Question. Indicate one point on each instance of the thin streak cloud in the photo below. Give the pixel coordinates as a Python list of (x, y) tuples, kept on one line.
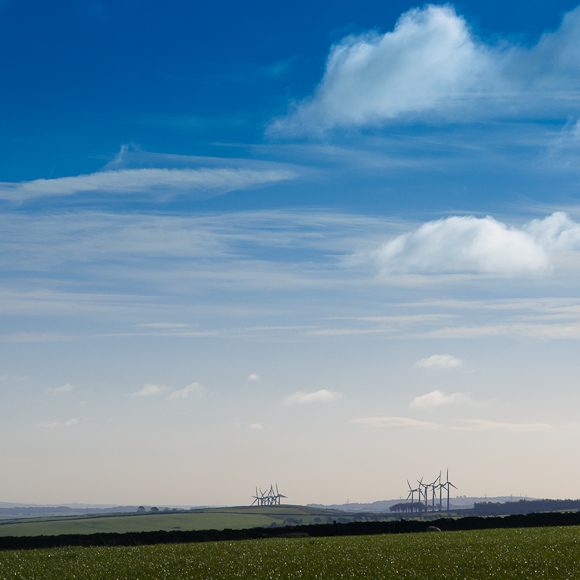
[(59, 425), (195, 183), (466, 425)]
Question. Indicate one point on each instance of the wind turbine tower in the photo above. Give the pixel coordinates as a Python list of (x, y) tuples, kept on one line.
[(448, 485)]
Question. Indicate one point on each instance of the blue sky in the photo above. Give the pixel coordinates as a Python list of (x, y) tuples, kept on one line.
[(334, 246)]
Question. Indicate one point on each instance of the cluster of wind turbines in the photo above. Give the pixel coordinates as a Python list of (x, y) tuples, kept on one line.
[(268, 497), (424, 489)]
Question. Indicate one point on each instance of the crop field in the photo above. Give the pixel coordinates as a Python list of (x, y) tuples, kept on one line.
[(532, 553), (203, 519)]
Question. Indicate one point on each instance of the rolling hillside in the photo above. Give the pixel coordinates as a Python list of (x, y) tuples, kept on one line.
[(201, 519)]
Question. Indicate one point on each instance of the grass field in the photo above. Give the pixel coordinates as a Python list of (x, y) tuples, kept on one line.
[(217, 519), (532, 553)]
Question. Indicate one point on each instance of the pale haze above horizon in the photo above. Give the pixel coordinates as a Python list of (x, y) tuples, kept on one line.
[(328, 246)]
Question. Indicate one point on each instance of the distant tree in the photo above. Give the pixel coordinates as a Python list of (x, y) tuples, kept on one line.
[(407, 507), (141, 508), (154, 509)]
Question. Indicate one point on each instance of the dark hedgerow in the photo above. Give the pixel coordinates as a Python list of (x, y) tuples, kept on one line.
[(313, 530)]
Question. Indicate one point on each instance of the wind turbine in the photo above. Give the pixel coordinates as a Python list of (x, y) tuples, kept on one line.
[(411, 492), (279, 496), (423, 493), (448, 485), (433, 487), (256, 498), (412, 495)]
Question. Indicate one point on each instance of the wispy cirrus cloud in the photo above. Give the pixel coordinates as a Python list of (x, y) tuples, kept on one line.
[(58, 425), (463, 425), (322, 396), (15, 378), (433, 64), (158, 182), (66, 388), (396, 422), (540, 329), (484, 425), (163, 325)]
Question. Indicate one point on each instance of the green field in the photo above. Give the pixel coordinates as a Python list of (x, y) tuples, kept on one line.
[(205, 519), (532, 553)]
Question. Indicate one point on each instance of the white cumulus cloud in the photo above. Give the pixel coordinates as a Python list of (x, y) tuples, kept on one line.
[(433, 63), (555, 233), (255, 426), (479, 245), (439, 399), (254, 377), (195, 389), (149, 391), (439, 361), (322, 396), (429, 56)]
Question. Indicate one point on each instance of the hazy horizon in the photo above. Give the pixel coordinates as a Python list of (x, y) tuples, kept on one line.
[(332, 247)]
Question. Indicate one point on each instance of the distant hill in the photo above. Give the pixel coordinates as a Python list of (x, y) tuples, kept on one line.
[(383, 506), (185, 520), (15, 510)]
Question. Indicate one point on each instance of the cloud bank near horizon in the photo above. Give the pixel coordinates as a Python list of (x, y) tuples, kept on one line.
[(432, 63)]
